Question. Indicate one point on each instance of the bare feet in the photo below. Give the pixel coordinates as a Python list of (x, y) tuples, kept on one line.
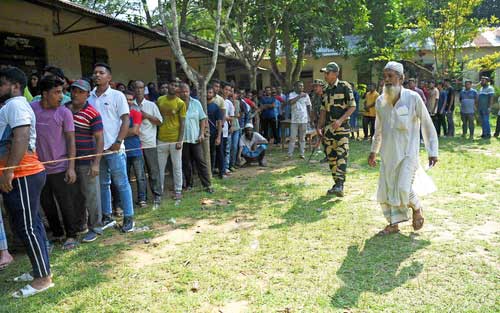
[(5, 259), (389, 229), (417, 219), (41, 283)]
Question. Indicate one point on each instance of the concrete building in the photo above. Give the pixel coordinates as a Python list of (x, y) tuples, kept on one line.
[(34, 33), (487, 42)]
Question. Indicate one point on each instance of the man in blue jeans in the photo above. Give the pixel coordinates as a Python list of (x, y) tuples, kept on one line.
[(114, 110), (468, 105), (236, 130), (485, 102), (253, 146), (134, 152)]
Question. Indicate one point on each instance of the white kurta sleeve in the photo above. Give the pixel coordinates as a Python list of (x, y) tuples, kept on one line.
[(428, 130), (377, 136)]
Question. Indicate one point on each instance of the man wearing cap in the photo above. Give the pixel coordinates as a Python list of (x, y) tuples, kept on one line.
[(485, 102), (253, 146), (337, 105), (401, 114), (89, 140), (319, 86)]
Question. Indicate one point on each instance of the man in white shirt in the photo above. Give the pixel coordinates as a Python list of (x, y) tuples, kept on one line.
[(301, 107), (114, 110), (227, 129), (401, 113), (151, 119)]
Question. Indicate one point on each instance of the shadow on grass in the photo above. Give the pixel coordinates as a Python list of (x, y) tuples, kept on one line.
[(85, 267), (307, 212), (376, 268)]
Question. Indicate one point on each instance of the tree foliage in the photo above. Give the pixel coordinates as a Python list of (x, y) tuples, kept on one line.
[(130, 10), (250, 32), (450, 26), (308, 25), (489, 62)]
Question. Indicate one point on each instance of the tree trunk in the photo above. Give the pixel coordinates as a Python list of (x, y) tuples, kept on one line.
[(298, 62), (148, 15), (287, 48), (274, 60), (253, 77), (199, 80), (202, 96), (183, 15)]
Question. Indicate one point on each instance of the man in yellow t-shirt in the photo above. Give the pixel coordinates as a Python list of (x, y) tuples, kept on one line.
[(369, 113), (171, 136)]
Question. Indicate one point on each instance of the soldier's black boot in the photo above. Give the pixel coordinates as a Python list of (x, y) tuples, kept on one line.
[(331, 191), (338, 189)]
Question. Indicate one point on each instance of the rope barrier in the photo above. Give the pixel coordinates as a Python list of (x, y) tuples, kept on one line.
[(107, 152)]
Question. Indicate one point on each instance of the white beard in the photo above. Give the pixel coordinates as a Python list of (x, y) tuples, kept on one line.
[(391, 93)]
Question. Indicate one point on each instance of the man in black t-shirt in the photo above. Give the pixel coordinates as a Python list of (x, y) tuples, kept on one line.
[(450, 108)]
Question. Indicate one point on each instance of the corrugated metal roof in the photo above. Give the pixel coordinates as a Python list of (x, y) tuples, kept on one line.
[(486, 38), (116, 22), (489, 38)]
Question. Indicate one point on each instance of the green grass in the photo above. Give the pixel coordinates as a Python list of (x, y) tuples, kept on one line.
[(281, 243)]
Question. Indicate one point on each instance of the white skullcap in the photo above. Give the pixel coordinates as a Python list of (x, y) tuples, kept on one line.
[(249, 125), (395, 66)]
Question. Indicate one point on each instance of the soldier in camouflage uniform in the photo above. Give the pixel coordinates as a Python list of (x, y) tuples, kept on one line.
[(319, 86), (337, 105)]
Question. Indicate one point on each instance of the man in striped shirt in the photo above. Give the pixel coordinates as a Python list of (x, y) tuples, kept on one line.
[(89, 141)]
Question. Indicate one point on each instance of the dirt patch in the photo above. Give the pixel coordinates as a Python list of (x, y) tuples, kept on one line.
[(444, 236), (438, 211), (484, 255), (484, 152), (231, 307), (445, 233), (246, 173), (139, 258), (493, 176), (235, 307), (489, 231), (474, 196), (176, 236), (154, 252)]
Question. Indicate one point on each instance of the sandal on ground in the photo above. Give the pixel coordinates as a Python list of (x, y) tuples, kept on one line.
[(388, 230), (23, 278), (28, 291), (417, 219), (70, 244)]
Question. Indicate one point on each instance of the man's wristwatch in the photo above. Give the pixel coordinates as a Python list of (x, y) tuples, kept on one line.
[(118, 141)]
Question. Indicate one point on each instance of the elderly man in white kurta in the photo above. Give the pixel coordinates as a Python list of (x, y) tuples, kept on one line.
[(401, 114)]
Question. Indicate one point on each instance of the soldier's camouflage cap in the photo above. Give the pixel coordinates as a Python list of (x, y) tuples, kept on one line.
[(320, 82), (330, 67)]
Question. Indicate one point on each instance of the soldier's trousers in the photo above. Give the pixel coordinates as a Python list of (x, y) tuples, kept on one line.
[(337, 151)]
